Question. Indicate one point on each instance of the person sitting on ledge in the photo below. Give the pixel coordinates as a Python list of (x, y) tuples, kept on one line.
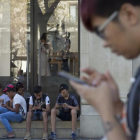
[(39, 108), (4, 99), (20, 90), (15, 114), (69, 112)]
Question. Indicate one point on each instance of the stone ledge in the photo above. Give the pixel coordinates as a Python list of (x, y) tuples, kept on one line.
[(39, 125), (37, 133), (91, 127), (84, 102)]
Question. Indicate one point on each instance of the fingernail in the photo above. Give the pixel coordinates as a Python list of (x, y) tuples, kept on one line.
[(94, 83)]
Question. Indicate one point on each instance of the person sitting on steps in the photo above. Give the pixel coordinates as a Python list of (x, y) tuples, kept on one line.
[(39, 108), (69, 112)]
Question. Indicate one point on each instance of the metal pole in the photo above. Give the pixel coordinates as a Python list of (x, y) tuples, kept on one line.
[(28, 65), (39, 64)]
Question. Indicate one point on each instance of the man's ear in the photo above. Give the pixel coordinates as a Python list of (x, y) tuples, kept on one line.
[(128, 14), (43, 40)]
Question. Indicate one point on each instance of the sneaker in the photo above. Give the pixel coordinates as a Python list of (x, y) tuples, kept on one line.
[(28, 136), (73, 136), (45, 136), (52, 136)]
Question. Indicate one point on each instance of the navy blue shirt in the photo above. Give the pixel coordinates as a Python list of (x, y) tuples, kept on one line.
[(72, 101)]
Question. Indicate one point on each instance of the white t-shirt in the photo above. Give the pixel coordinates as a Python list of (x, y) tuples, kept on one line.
[(47, 100), (5, 97), (18, 99)]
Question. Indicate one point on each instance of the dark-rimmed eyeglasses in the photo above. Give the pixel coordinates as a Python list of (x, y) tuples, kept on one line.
[(99, 30)]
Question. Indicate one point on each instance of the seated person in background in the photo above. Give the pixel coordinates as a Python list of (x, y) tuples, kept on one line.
[(20, 90), (11, 100), (15, 114), (39, 108), (4, 99), (69, 112)]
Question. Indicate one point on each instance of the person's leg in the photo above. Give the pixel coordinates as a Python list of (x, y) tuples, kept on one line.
[(3, 110), (30, 116), (74, 119), (54, 113), (12, 117), (45, 121), (28, 121)]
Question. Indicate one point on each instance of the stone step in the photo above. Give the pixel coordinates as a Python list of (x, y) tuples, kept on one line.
[(39, 124), (37, 133), (63, 129)]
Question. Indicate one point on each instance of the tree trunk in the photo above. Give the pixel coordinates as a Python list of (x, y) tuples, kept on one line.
[(42, 21)]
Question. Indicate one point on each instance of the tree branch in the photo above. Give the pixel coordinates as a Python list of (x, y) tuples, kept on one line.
[(38, 7), (46, 5), (51, 9), (54, 5)]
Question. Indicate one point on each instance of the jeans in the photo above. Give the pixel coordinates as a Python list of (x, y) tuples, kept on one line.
[(9, 116), (3, 110), (37, 115)]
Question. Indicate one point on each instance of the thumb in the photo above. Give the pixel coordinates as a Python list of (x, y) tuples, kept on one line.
[(109, 77)]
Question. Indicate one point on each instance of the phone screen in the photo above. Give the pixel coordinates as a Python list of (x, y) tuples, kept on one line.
[(71, 77), (60, 103)]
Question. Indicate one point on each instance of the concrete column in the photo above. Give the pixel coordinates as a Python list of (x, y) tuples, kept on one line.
[(5, 38)]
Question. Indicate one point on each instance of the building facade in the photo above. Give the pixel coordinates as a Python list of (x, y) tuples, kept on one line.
[(33, 58)]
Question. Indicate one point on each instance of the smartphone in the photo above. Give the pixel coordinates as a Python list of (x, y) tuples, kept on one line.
[(72, 78), (60, 103)]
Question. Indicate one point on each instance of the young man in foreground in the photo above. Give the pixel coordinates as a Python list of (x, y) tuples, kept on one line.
[(117, 22)]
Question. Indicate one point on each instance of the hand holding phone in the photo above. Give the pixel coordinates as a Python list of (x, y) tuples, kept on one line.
[(60, 103), (72, 78)]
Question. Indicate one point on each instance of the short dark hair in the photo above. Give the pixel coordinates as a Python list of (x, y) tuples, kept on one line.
[(62, 87), (43, 36), (19, 85), (37, 89), (103, 8)]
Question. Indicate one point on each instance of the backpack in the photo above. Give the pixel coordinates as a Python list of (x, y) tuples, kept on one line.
[(27, 103), (133, 106)]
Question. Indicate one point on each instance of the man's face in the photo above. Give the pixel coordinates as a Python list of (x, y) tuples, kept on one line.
[(38, 96), (0, 89), (64, 93), (9, 93), (120, 36), (20, 91)]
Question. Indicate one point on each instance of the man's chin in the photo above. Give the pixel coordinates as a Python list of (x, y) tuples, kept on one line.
[(130, 57)]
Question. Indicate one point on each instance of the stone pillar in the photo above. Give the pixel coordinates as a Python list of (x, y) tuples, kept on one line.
[(5, 38)]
